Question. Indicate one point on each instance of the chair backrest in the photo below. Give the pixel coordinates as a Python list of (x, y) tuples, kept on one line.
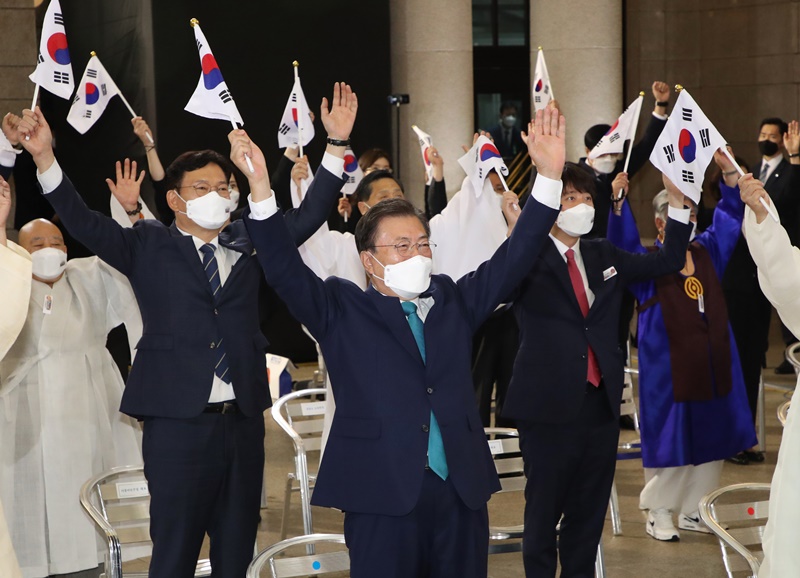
[(783, 411), (504, 447), (300, 415), (737, 515), (118, 501), (303, 564)]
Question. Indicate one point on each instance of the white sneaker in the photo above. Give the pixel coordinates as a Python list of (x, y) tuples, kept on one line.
[(659, 526), (693, 523)]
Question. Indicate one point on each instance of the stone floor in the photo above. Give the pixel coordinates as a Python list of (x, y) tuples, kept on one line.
[(631, 555)]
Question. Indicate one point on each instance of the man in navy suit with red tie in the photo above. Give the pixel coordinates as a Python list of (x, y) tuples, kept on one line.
[(198, 382), (407, 458), (566, 387)]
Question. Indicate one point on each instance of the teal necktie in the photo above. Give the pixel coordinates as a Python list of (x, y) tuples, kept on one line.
[(436, 458)]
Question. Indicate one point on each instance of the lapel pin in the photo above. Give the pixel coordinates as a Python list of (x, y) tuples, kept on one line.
[(609, 273)]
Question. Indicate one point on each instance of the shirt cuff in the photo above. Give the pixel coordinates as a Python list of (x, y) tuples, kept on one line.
[(7, 158), (333, 164), (262, 210), (547, 191), (660, 116), (51, 178), (680, 215)]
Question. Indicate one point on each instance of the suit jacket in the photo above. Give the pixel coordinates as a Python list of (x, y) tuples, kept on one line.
[(783, 186), (549, 379), (174, 366), (375, 457)]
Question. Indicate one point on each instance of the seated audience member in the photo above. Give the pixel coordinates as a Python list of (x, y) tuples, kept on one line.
[(407, 459), (692, 399), (566, 388), (779, 276)]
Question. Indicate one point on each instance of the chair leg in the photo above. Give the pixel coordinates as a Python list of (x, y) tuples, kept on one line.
[(287, 497), (761, 417), (599, 562), (613, 504)]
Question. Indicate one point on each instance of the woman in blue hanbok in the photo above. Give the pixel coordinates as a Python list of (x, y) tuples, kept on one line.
[(693, 405)]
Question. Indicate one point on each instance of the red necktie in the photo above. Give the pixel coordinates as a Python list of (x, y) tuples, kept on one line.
[(593, 371)]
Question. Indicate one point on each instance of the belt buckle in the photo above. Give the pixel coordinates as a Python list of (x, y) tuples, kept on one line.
[(228, 408)]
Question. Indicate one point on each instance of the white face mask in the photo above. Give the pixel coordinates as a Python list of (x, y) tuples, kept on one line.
[(407, 278), (509, 121), (48, 263), (234, 199), (576, 221), (210, 211), (604, 165)]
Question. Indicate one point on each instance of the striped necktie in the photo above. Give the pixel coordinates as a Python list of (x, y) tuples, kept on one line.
[(211, 267), (437, 461)]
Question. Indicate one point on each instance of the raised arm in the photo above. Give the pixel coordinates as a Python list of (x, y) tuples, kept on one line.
[(642, 149), (102, 235), (622, 229)]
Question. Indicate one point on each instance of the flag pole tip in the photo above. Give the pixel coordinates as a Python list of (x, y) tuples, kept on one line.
[(540, 48), (678, 88), (194, 22), (93, 53), (641, 93), (295, 64)]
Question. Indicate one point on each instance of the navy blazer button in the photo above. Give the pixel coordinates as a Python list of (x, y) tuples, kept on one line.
[(430, 390), (425, 428), (583, 357), (212, 345)]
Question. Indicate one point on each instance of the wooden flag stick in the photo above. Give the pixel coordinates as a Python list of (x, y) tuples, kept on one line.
[(769, 208)]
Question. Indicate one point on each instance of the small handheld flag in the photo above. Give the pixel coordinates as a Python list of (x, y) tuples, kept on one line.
[(352, 172), (54, 66), (94, 92), (211, 98), (425, 143), (542, 91), (624, 129), (296, 127), (479, 160)]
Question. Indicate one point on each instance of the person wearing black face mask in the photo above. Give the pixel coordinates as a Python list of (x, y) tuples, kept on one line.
[(749, 310)]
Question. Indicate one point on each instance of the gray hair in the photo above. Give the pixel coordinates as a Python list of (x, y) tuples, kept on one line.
[(660, 203)]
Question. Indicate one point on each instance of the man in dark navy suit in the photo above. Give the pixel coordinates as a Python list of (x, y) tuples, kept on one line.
[(407, 458), (198, 382), (566, 387)]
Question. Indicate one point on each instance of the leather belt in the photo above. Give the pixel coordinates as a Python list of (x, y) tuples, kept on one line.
[(222, 407)]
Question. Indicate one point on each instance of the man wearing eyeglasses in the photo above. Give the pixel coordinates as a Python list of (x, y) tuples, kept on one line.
[(198, 382), (407, 459)]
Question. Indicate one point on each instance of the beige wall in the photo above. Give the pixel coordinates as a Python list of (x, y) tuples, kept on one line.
[(738, 58)]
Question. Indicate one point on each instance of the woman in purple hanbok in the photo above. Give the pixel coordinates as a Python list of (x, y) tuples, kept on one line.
[(693, 405)]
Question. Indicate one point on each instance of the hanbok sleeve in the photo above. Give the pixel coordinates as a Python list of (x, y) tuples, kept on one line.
[(120, 216), (122, 306), (15, 287), (721, 236)]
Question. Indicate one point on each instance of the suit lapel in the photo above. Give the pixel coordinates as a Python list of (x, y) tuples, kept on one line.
[(594, 268), (556, 262), (189, 251), (392, 315)]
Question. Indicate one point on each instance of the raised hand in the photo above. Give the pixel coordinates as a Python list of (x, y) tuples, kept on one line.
[(546, 139), (339, 120), (620, 184), (34, 134), (241, 145), (661, 91), (751, 191), (127, 186), (10, 123), (475, 138), (676, 197), (437, 162), (141, 129), (5, 204), (345, 209), (300, 170), (791, 139), (510, 207)]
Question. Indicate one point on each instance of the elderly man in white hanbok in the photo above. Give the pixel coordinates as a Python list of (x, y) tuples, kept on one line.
[(15, 287), (60, 393), (466, 233), (778, 265)]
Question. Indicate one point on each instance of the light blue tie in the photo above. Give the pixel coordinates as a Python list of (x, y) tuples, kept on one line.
[(436, 458)]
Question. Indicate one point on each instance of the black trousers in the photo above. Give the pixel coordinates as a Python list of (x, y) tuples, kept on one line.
[(494, 348), (439, 538), (205, 476), (570, 469)]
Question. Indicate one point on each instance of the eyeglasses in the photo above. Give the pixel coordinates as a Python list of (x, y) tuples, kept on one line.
[(204, 188), (405, 249)]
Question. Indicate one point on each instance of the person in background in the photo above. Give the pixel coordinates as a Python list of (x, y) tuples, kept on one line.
[(506, 134)]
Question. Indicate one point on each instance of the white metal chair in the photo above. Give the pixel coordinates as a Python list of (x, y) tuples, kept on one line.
[(631, 450), (504, 447), (118, 502), (783, 411), (737, 515), (299, 414), (303, 565), (791, 354)]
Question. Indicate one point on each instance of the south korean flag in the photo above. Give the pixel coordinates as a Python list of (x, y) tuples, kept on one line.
[(686, 146)]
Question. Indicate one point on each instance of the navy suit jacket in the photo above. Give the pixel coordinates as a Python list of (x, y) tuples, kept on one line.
[(376, 453), (549, 378), (174, 366)]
